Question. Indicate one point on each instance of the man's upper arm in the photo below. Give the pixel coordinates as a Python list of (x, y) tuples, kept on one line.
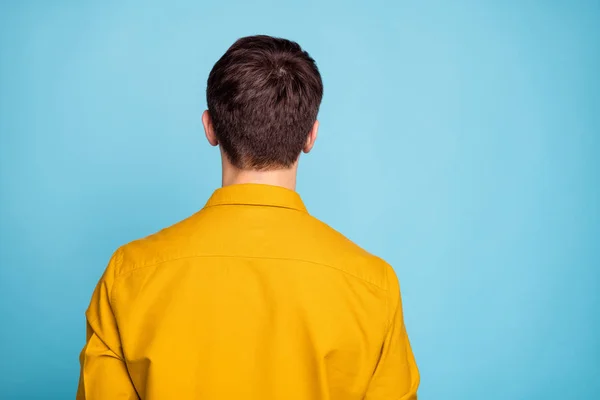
[(103, 371), (396, 376)]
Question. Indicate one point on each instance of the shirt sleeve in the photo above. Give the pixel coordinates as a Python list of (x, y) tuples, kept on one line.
[(103, 370), (396, 376)]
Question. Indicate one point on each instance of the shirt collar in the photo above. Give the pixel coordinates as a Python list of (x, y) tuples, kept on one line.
[(256, 195)]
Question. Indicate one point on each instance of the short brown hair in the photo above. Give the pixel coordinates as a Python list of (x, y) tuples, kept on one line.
[(263, 96)]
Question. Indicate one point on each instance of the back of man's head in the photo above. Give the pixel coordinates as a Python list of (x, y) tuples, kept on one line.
[(263, 97)]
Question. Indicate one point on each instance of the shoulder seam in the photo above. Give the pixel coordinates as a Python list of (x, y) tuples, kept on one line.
[(125, 273)]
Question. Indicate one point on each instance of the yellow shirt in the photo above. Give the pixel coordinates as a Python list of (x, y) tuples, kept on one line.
[(251, 298)]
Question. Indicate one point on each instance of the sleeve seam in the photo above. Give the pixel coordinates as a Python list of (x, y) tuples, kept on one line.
[(388, 318), (118, 258)]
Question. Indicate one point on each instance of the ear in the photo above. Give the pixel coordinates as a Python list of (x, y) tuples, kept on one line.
[(312, 137), (209, 129)]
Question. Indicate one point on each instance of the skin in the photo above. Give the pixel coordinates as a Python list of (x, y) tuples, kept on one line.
[(232, 175)]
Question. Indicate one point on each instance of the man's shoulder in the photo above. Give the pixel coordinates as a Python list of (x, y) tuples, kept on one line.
[(338, 251), (159, 247)]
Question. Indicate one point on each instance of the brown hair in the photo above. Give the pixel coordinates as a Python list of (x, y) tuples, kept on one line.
[(263, 97)]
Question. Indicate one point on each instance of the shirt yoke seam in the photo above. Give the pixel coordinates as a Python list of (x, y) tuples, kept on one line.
[(258, 205), (125, 273)]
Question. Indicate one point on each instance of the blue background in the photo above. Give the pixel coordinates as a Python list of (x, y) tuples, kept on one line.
[(459, 141)]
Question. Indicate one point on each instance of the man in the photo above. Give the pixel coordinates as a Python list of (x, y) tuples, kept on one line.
[(251, 297)]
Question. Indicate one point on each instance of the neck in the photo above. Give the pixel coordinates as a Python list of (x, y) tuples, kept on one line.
[(280, 177)]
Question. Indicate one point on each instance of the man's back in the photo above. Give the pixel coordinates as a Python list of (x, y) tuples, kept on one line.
[(250, 298)]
